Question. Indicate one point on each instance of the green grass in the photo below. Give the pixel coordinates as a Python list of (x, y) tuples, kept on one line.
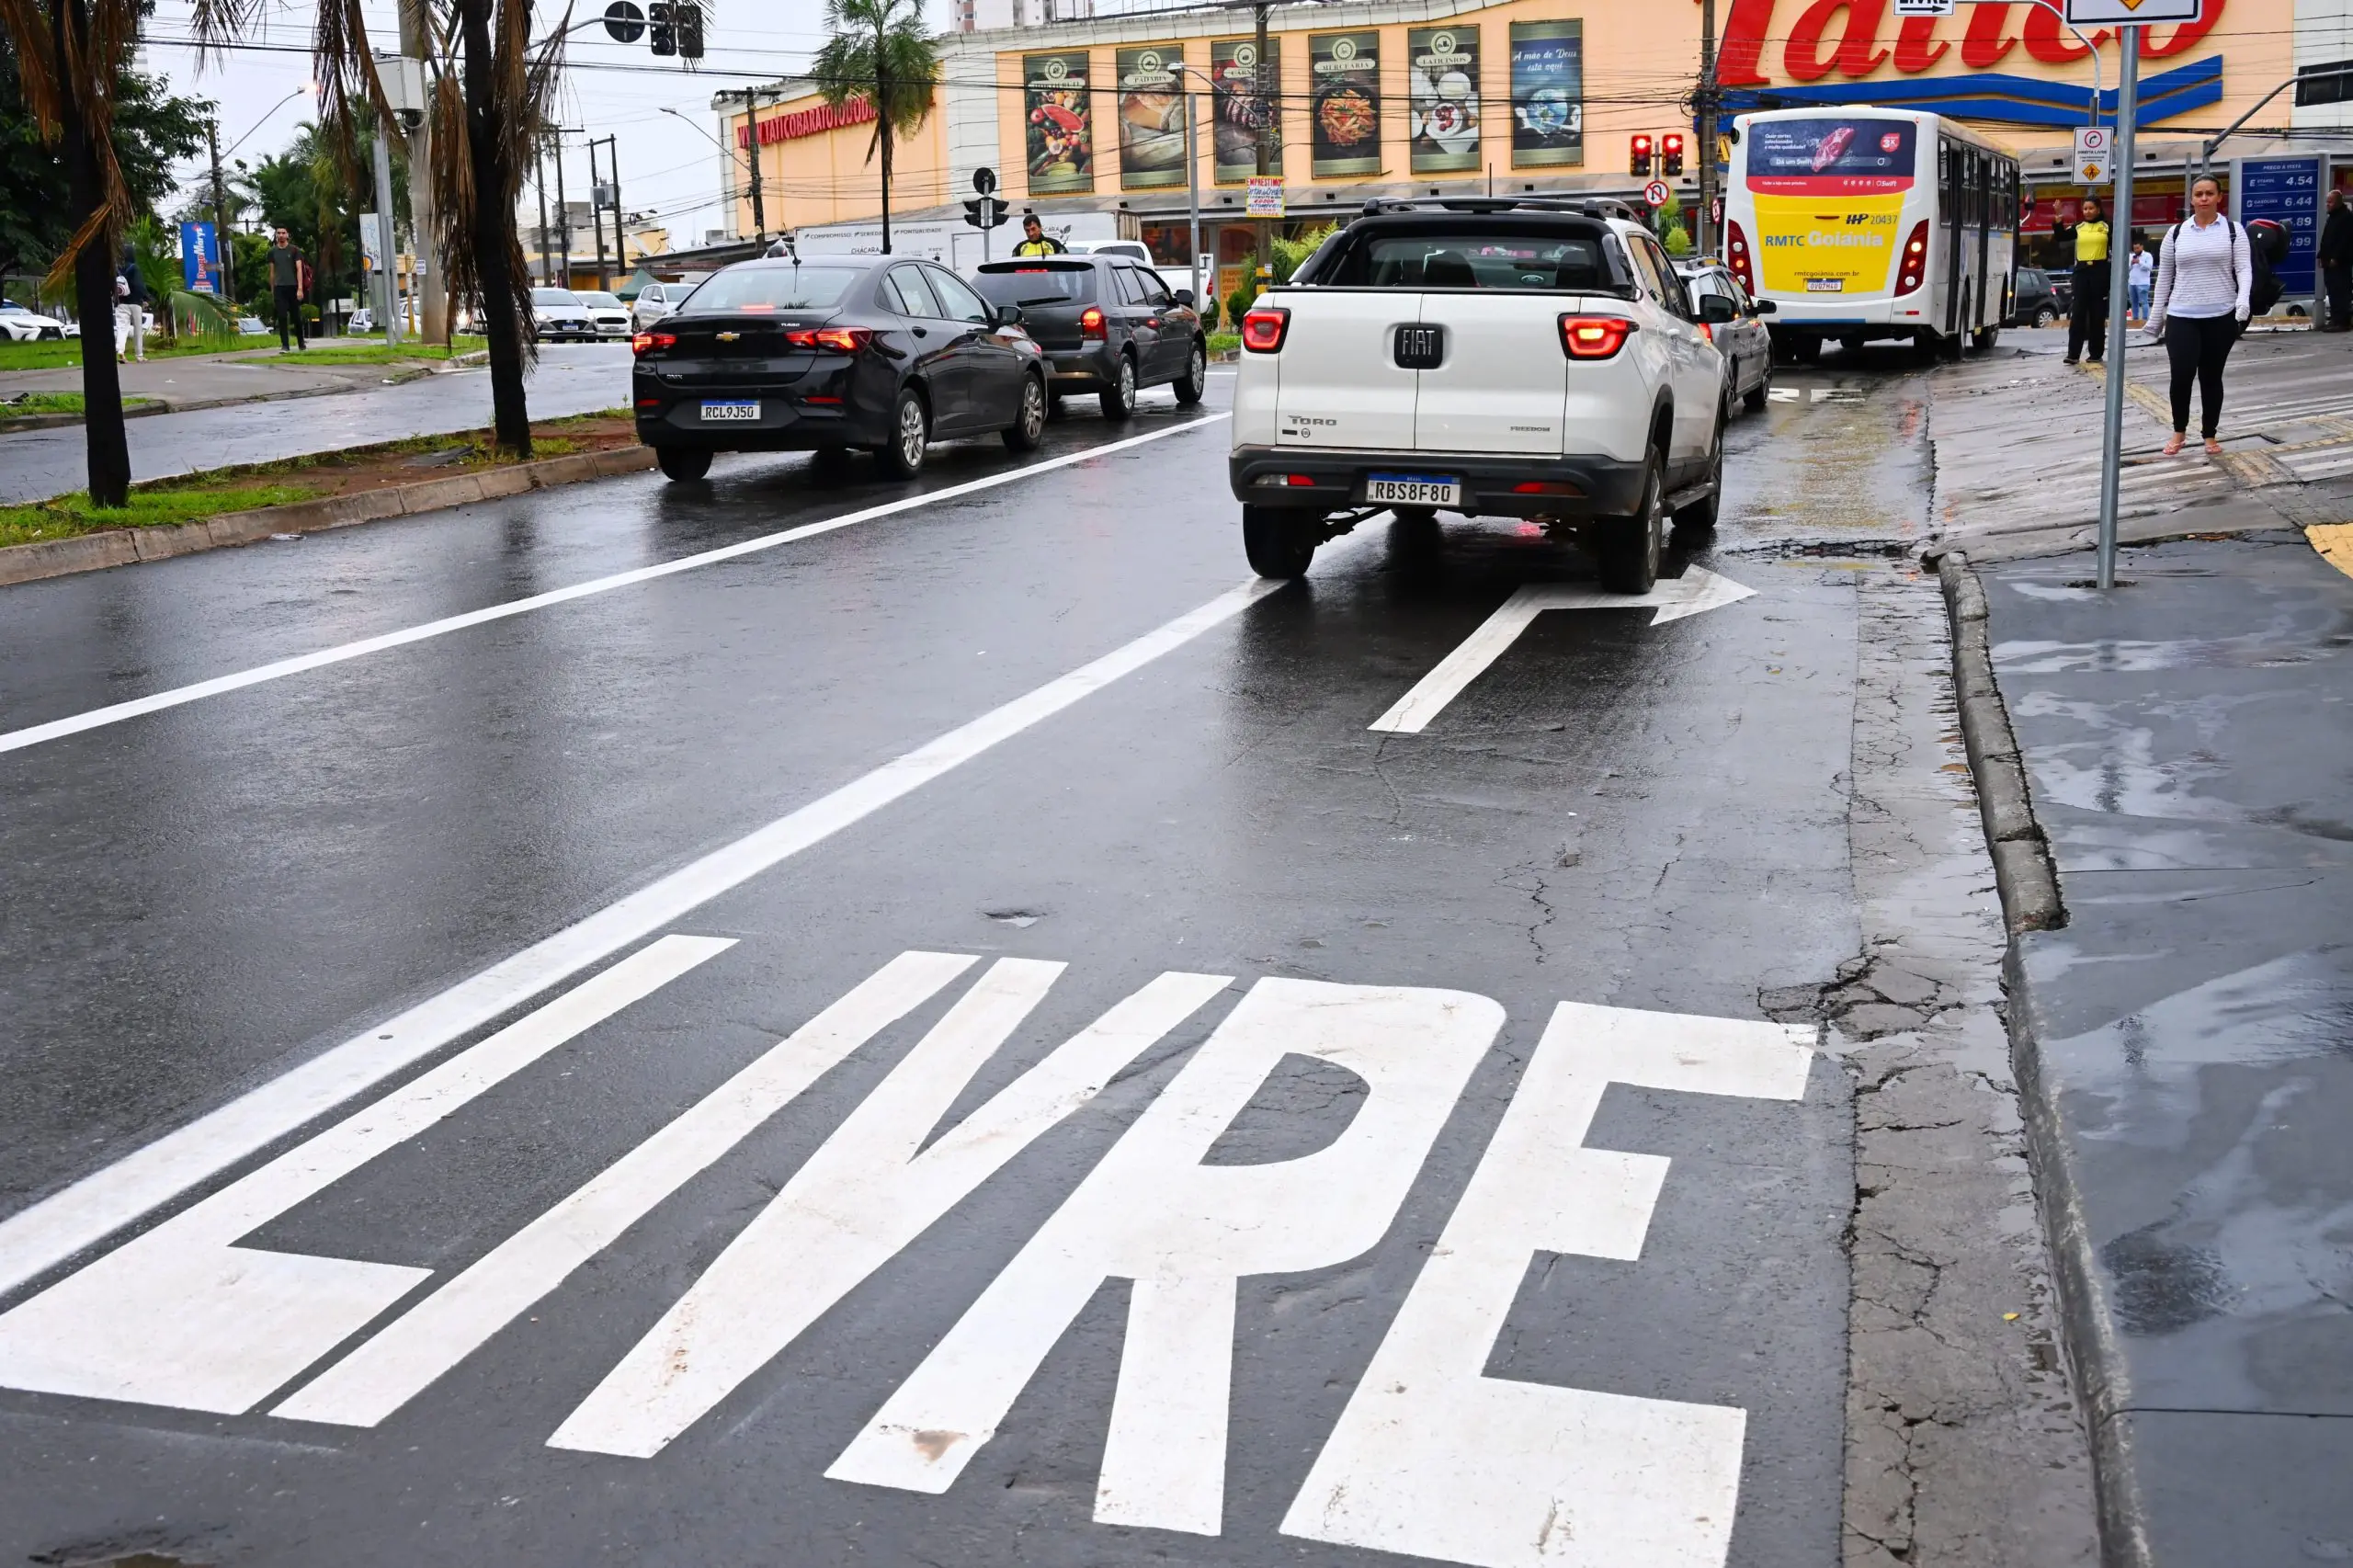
[(52, 403), (50, 354), (364, 351), (149, 507), (1224, 342)]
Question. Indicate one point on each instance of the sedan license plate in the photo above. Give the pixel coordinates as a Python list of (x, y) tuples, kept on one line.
[(712, 411), (1413, 489)]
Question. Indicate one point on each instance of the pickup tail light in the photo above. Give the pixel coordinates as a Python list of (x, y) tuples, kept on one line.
[(1707, 333), (1736, 250), (1912, 265), (1545, 487), (647, 342), (1091, 324), (1594, 337), (831, 339), (1263, 328)]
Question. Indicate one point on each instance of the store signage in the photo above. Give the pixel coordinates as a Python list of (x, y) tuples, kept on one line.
[(1234, 65), (1817, 40), (1266, 198), (1151, 116), (806, 122), (1547, 93), (2288, 192), (1343, 104), (2131, 13)]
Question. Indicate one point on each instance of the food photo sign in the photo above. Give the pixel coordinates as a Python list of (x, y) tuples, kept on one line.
[(1442, 94), (1059, 134), (1344, 106), (1234, 63), (1151, 117)]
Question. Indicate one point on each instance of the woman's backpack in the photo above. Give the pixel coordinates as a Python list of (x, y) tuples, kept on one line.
[(2264, 290)]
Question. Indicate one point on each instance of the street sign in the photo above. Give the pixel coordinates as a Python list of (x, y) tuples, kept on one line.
[(1266, 198), (2093, 164), (984, 180), (2133, 13), (1657, 193), (1924, 8), (624, 21)]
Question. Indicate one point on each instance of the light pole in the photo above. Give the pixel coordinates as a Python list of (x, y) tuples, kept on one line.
[(752, 163), (1193, 182)]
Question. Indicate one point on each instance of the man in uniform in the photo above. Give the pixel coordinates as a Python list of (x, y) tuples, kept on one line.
[(1035, 241), (2088, 317)]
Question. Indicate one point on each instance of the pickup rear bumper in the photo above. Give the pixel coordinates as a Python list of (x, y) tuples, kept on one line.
[(1493, 483)]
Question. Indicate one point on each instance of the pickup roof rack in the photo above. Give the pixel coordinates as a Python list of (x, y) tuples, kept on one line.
[(1583, 206)]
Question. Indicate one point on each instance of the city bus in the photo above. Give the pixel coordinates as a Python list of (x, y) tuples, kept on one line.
[(1864, 224)]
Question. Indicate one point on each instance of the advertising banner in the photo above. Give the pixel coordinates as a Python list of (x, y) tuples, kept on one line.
[(1344, 103), (201, 259), (1442, 92), (1867, 164), (1547, 93), (1151, 117), (1234, 63), (2287, 191), (1060, 128), (1266, 198)]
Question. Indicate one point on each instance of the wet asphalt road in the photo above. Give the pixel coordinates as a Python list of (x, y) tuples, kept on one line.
[(1365, 1151), (578, 378)]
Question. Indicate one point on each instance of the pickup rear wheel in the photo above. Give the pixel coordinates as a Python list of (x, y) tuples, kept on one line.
[(1629, 548), (1279, 544)]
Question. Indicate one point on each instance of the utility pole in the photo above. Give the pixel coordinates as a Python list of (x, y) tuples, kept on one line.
[(1703, 227), (1265, 116), (596, 218), (387, 268), (540, 156), (751, 137), (431, 285), (563, 213), (2120, 264), (1193, 212), (620, 238), (221, 218)]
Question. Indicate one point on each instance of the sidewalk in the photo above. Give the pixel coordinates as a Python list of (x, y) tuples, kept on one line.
[(2187, 1038)]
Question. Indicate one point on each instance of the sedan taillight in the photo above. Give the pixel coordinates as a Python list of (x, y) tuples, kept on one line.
[(1091, 324), (647, 342), (1262, 329), (1914, 263), (1594, 337), (833, 339)]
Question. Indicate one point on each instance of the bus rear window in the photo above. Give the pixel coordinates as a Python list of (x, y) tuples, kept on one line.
[(1831, 156)]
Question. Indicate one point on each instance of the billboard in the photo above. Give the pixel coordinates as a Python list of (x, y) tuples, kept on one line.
[(1547, 93), (1151, 116), (1344, 103), (201, 259), (1058, 124), (2287, 191), (1442, 96), (1234, 63)]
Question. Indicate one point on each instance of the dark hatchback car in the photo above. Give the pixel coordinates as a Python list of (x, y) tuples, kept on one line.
[(2036, 302), (1108, 325), (885, 354)]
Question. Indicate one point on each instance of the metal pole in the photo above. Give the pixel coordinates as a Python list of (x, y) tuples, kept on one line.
[(596, 218), (385, 266), (562, 214), (221, 220), (2119, 278), (1265, 111), (1703, 228), (432, 289), (620, 238), (1193, 201), (540, 156)]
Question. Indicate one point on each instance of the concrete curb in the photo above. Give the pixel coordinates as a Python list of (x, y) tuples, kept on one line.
[(2022, 868), (125, 547), (51, 421)]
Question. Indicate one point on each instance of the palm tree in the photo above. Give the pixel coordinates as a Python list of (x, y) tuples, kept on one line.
[(879, 52), (70, 54)]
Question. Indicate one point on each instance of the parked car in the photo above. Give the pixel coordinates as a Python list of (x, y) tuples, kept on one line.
[(1513, 358), (558, 313), (2035, 302), (1132, 249), (1108, 325), (658, 299), (361, 320), (252, 326), (1734, 323), (22, 323), (611, 315), (887, 354)]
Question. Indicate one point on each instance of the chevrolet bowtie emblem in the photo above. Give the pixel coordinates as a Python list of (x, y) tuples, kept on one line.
[(729, 336)]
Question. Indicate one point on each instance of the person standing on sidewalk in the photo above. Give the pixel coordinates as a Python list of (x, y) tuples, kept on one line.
[(130, 309), (2204, 272), (2088, 316), (2144, 280), (2337, 265), (286, 286)]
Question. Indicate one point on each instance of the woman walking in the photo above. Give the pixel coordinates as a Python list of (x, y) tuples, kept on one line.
[(2203, 276)]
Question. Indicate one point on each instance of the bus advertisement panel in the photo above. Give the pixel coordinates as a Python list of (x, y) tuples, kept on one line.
[(1866, 166)]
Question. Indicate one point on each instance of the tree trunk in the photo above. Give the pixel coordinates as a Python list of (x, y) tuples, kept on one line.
[(494, 216), (105, 441)]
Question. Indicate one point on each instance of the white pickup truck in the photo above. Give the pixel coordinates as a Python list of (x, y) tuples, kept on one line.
[(1480, 356)]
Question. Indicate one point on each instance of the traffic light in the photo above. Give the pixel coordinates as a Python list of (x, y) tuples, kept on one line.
[(664, 36), (1670, 154), (688, 19), (986, 212), (1638, 156)]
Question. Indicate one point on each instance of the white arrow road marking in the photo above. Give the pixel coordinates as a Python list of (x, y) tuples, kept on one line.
[(182, 1317), (1695, 592), (1432, 1457), (1184, 1233), (95, 1207)]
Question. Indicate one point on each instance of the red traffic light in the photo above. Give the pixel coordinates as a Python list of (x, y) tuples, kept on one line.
[(1642, 144), (1670, 154), (1638, 156)]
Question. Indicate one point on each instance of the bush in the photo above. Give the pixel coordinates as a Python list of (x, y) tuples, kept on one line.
[(1289, 254), (1237, 304), (1678, 242)]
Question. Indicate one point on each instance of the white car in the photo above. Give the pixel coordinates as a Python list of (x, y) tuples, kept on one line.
[(559, 313), (21, 324), (362, 319), (658, 299), (1484, 356), (1132, 249), (610, 314)]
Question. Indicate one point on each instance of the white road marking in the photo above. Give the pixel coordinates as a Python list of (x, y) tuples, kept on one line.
[(1184, 1233), (181, 1317), (1693, 593), (85, 1213), (437, 1334), (866, 1195), (115, 713), (1432, 1457)]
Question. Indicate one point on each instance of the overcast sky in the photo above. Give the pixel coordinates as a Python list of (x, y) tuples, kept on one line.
[(666, 165)]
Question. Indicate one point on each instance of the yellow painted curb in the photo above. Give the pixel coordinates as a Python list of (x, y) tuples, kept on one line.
[(2334, 543)]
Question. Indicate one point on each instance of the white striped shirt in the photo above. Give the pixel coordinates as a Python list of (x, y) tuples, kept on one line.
[(2203, 272)]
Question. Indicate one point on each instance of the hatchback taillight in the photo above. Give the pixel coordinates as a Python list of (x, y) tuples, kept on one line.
[(1912, 265), (1736, 250), (647, 342), (1091, 324), (833, 339), (1594, 337), (1263, 328)]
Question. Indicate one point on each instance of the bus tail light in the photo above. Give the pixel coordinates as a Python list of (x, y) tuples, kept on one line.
[(1912, 265), (1263, 328), (1736, 246), (1594, 337)]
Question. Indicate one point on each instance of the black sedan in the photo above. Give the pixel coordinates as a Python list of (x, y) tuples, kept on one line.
[(831, 353)]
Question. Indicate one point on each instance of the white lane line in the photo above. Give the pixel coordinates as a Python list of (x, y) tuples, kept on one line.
[(115, 713), (95, 1207)]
